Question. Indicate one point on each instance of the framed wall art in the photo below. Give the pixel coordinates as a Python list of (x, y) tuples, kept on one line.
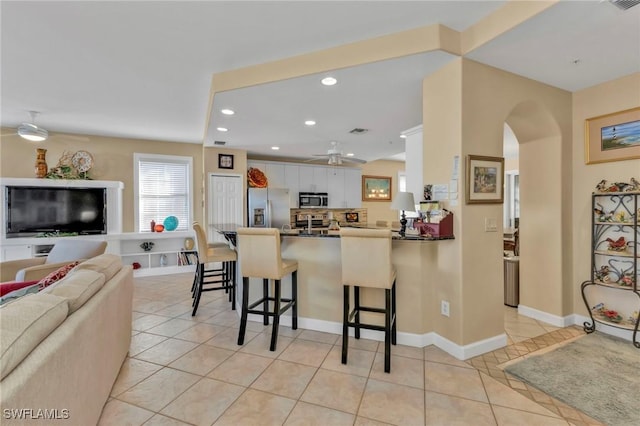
[(376, 188), (612, 137), (225, 161), (485, 176)]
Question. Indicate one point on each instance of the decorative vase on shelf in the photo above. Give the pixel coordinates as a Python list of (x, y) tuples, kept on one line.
[(189, 243), (41, 163), (159, 228)]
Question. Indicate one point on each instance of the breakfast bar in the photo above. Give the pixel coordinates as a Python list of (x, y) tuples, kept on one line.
[(320, 289)]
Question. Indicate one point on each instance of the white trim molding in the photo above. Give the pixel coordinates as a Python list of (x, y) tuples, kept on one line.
[(552, 319)]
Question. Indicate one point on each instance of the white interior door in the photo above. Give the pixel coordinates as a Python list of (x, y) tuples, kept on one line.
[(225, 202)]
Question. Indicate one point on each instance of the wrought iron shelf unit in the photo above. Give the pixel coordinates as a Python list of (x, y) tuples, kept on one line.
[(615, 249)]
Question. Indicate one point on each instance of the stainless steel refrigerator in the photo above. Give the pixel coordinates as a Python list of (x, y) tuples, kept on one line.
[(268, 207)]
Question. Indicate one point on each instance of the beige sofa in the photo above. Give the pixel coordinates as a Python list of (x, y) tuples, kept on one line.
[(62, 348), (62, 253)]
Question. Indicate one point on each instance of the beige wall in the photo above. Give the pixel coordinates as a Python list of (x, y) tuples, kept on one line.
[(616, 95), (473, 124), (113, 158), (381, 210)]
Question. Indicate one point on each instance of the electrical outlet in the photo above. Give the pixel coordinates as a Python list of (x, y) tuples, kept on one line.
[(444, 308)]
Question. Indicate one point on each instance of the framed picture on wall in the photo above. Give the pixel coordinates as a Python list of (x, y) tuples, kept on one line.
[(376, 188), (612, 137), (485, 176), (225, 161)]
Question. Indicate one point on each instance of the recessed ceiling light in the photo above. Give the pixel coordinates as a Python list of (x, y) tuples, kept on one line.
[(310, 123), (227, 111), (275, 148), (329, 81), (222, 129), (403, 136), (350, 154)]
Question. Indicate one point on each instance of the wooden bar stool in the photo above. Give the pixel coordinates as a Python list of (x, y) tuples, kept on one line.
[(223, 278), (260, 257), (366, 262)]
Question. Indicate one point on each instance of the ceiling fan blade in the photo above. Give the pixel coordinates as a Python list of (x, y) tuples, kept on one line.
[(14, 133), (321, 155), (354, 160)]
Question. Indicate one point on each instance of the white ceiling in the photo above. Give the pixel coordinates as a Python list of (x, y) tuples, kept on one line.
[(143, 69)]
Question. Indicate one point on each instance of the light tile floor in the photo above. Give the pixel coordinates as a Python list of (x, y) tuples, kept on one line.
[(185, 370)]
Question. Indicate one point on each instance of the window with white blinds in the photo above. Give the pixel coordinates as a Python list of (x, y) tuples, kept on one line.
[(163, 187)]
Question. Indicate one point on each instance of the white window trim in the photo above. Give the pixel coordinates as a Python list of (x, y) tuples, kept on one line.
[(137, 157)]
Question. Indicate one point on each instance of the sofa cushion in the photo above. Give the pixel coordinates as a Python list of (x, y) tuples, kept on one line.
[(56, 275), (10, 286), (25, 323), (16, 294), (78, 288), (107, 264)]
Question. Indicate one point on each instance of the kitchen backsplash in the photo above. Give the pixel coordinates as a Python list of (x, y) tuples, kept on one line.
[(345, 217)]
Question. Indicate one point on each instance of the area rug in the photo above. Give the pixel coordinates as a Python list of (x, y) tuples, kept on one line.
[(597, 374)]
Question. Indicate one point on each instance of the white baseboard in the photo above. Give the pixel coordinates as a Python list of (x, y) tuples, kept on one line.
[(579, 320), (406, 339), (472, 349), (554, 320)]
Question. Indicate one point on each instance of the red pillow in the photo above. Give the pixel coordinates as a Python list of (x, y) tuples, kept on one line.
[(10, 286), (56, 275)]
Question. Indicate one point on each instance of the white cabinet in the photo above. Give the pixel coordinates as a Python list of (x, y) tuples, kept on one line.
[(353, 188), (292, 181), (335, 180), (320, 179), (167, 256), (345, 187), (16, 252), (276, 175), (306, 179)]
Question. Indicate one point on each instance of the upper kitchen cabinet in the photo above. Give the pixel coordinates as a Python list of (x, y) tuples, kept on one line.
[(292, 181), (276, 175), (313, 179), (335, 181), (353, 188), (345, 186)]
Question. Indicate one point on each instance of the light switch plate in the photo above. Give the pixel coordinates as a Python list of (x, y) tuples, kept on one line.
[(490, 224)]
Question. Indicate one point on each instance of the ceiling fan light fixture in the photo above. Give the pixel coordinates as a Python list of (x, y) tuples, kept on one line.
[(32, 133), (329, 81)]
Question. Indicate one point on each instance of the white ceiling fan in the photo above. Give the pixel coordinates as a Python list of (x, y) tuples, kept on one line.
[(336, 157), (34, 133)]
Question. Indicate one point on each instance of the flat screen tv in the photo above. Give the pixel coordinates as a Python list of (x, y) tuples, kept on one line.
[(31, 211)]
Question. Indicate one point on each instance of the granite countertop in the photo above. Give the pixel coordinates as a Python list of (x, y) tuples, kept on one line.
[(326, 233)]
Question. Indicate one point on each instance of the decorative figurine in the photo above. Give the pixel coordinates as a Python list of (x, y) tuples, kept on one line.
[(627, 280), (147, 245), (618, 245), (602, 186), (603, 274)]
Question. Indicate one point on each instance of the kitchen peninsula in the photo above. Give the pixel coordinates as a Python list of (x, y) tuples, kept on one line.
[(320, 288)]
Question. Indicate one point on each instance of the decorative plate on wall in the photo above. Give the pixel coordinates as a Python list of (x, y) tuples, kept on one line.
[(82, 161)]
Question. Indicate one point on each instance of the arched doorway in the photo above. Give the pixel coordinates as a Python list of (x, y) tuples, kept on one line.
[(545, 290)]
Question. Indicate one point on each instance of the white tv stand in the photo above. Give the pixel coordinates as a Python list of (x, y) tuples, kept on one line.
[(127, 245)]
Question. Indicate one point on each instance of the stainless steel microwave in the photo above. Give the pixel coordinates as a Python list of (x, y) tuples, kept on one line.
[(313, 200)]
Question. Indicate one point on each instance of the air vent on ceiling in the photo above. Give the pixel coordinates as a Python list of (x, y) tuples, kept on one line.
[(219, 142), (624, 4), (358, 131)]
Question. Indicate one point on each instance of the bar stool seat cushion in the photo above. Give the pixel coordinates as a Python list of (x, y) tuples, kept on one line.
[(363, 246), (220, 255), (288, 266)]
